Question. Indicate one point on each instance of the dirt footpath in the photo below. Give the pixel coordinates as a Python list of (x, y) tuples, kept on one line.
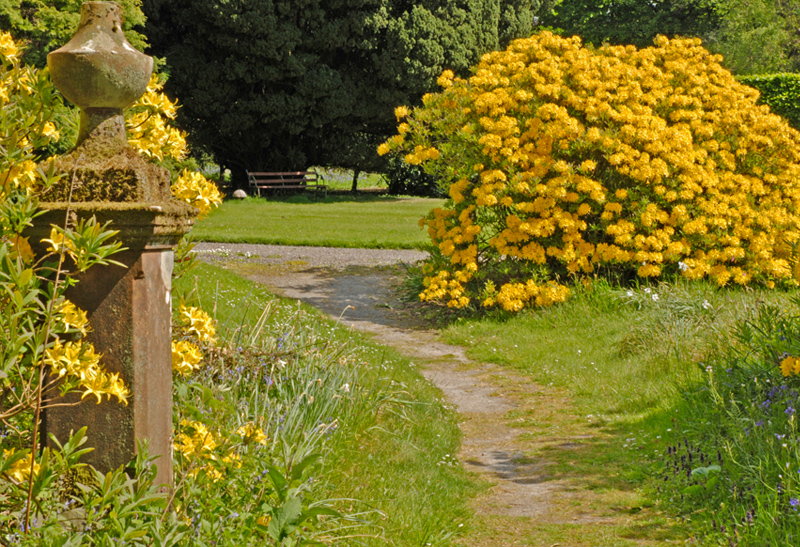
[(510, 425)]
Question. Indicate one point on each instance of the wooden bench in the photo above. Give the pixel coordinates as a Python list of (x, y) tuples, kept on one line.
[(286, 180)]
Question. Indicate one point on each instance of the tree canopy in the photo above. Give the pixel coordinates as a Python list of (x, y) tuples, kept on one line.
[(42, 26), (633, 21), (754, 36), (284, 84)]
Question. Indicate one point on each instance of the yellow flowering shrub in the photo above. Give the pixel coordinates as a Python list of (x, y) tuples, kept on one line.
[(196, 190), (40, 328), (148, 126), (566, 162)]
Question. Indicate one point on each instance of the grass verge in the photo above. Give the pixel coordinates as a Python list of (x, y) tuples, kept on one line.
[(381, 462), (631, 364), (377, 222)]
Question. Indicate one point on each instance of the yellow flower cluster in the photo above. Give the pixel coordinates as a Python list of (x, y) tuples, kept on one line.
[(78, 361), (148, 125), (196, 443), (20, 470), (8, 49), (186, 357), (197, 323), (564, 161), (515, 296), (73, 318), (57, 242), (251, 433), (790, 366), (196, 190)]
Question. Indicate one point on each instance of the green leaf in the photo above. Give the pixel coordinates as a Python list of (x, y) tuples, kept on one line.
[(693, 490)]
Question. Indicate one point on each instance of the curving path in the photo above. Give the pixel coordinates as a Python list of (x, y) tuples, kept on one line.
[(525, 500)]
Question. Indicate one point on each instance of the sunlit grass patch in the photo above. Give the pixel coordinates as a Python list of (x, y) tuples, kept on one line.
[(378, 222)]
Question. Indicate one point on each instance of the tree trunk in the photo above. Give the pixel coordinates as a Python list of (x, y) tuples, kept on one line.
[(356, 172)]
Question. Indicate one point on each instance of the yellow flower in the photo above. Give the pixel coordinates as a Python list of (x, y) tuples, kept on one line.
[(186, 357), (20, 470), (199, 324), (789, 365), (58, 242), (196, 190), (401, 112), (73, 317), (49, 130), (8, 49), (250, 433), (21, 248)]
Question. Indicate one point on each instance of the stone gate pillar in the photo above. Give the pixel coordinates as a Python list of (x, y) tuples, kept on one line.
[(129, 307)]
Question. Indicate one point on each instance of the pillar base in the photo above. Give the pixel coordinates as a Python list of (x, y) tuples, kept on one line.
[(129, 308)]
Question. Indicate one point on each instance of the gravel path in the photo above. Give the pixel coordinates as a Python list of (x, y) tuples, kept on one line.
[(310, 257)]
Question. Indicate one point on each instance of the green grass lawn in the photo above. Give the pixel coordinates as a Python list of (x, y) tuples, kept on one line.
[(377, 222), (342, 179)]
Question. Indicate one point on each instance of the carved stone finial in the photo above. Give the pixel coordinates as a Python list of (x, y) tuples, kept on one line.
[(100, 72)]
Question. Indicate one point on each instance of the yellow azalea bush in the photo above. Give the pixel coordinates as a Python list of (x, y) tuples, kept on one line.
[(196, 190), (562, 162), (43, 352), (149, 127), (40, 328), (147, 124)]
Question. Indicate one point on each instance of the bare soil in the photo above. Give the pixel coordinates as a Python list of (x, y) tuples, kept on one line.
[(518, 437)]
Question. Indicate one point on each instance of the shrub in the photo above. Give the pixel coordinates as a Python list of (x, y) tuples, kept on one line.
[(781, 92), (561, 161), (411, 180)]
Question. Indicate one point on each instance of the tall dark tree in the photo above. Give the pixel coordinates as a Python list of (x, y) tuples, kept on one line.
[(284, 84), (634, 22), (754, 36)]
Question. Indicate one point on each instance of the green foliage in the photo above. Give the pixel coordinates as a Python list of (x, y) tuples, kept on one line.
[(735, 472), (45, 25), (276, 84), (411, 180), (754, 36), (633, 21), (781, 92), (757, 36)]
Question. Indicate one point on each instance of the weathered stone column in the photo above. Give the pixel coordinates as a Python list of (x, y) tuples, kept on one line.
[(129, 308)]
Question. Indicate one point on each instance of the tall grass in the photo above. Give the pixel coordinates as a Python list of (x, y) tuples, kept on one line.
[(682, 382)]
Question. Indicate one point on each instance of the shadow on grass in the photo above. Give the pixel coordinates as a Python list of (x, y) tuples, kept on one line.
[(333, 196)]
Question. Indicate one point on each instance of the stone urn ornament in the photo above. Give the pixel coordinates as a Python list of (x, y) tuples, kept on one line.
[(99, 71), (128, 303)]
